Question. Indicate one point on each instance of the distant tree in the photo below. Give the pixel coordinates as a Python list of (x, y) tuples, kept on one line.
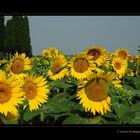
[(18, 28), (26, 37), (22, 35), (2, 35), (17, 36), (10, 38)]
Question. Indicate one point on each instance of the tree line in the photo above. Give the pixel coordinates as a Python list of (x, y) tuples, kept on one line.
[(14, 36)]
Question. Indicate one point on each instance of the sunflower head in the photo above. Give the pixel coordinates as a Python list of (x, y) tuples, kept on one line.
[(122, 53), (46, 53), (36, 91), (120, 66), (130, 72), (81, 65), (99, 54), (93, 93), (53, 51), (58, 67), (10, 93), (18, 63)]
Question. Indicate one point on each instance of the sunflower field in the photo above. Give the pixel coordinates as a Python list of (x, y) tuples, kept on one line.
[(90, 87)]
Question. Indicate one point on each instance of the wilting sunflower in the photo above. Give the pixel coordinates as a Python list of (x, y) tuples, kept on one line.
[(36, 91), (18, 63), (99, 54), (58, 67), (93, 93), (122, 53), (81, 65), (120, 66), (12, 117), (10, 94)]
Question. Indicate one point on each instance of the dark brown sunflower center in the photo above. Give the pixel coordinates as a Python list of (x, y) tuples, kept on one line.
[(118, 65), (30, 90), (17, 66), (80, 65), (122, 54), (97, 90), (94, 53), (56, 66), (5, 93)]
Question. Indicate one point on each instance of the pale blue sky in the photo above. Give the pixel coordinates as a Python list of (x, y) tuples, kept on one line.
[(73, 34)]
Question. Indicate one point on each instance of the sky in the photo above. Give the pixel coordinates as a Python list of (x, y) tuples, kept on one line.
[(72, 34)]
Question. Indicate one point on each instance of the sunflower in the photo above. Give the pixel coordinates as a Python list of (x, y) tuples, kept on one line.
[(99, 54), (46, 53), (36, 91), (58, 67), (53, 51), (130, 72), (120, 66), (81, 65), (12, 117), (93, 93), (122, 53), (19, 62), (10, 94)]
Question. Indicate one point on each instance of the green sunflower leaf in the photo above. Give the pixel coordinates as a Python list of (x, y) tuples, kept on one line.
[(129, 115), (28, 115), (128, 87), (61, 84), (136, 120), (57, 106), (120, 109), (137, 82), (135, 107), (135, 92), (75, 119)]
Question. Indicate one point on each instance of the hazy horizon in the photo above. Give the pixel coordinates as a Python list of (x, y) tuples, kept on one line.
[(72, 34)]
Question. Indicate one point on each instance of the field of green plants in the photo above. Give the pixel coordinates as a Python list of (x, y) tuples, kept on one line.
[(90, 87)]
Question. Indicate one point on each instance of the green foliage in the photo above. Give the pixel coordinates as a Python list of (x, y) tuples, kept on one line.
[(2, 34), (29, 115), (136, 81), (76, 119), (9, 38), (17, 36), (7, 121), (1, 55)]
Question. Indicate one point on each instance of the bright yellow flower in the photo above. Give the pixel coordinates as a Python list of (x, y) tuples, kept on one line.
[(81, 65), (120, 66), (98, 53), (18, 63), (58, 67), (93, 93), (10, 94), (36, 91), (122, 53), (46, 53)]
